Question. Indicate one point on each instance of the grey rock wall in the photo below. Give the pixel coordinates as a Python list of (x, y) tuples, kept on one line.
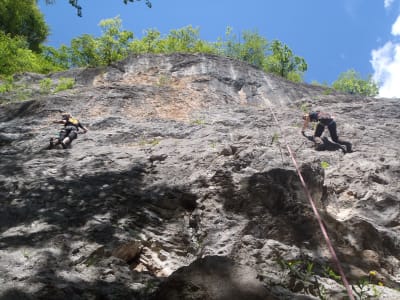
[(184, 162)]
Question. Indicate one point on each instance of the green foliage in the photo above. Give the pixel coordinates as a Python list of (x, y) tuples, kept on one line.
[(148, 44), (184, 40), (324, 165), (198, 122), (116, 44), (88, 51), (64, 84), (327, 91), (84, 52), (16, 57), (351, 82), (6, 84), (113, 45), (26, 254), (22, 92), (366, 285), (253, 49), (181, 40), (323, 84), (164, 80), (19, 92), (361, 289), (45, 85), (151, 142), (60, 58), (23, 18), (275, 138), (275, 58), (229, 47), (284, 63), (301, 276), (330, 273)]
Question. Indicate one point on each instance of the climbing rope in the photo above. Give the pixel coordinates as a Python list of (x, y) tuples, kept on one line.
[(314, 208)]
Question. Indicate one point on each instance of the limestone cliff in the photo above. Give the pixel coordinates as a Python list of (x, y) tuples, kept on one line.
[(183, 187)]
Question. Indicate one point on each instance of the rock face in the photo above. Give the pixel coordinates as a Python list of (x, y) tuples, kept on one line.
[(184, 166), (213, 277)]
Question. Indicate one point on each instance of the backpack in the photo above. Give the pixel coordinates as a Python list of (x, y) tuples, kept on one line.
[(73, 121)]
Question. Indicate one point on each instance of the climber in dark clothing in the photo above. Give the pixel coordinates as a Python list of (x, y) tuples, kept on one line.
[(69, 132), (324, 120)]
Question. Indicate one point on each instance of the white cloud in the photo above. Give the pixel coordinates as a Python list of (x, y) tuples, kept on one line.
[(396, 27), (388, 3), (386, 64)]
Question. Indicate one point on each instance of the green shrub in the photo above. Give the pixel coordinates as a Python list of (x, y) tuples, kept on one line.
[(45, 85), (324, 165), (351, 82), (7, 85), (64, 84)]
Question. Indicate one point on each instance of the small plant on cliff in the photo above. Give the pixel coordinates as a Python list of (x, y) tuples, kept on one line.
[(7, 84), (26, 253), (45, 85), (275, 138), (64, 84), (366, 285), (301, 276), (151, 142), (324, 165), (198, 122), (329, 272), (164, 80), (328, 91)]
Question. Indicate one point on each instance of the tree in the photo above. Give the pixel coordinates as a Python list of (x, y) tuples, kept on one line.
[(252, 50), (23, 18), (58, 57), (284, 63), (84, 52), (16, 57), (88, 51), (185, 40), (75, 4), (113, 45), (148, 44), (228, 47), (352, 82)]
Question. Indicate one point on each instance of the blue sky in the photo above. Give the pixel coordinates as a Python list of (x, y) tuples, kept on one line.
[(332, 36)]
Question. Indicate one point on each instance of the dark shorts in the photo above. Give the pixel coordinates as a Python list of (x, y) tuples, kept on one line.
[(69, 132)]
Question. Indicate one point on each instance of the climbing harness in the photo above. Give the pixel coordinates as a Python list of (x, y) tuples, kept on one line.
[(313, 206)]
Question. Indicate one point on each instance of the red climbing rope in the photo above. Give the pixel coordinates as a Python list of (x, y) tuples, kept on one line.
[(317, 215)]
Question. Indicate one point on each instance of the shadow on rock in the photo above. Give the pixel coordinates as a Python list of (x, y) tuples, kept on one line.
[(56, 218), (213, 278), (275, 203), (324, 144)]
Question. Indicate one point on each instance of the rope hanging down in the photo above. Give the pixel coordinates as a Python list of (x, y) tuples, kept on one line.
[(315, 210)]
